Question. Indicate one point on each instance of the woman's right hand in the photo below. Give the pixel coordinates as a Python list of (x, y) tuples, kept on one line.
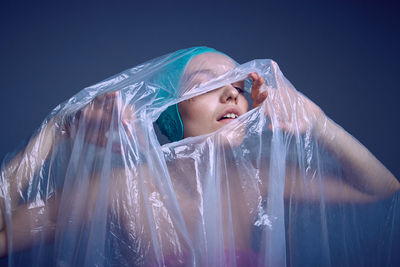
[(100, 119), (105, 113)]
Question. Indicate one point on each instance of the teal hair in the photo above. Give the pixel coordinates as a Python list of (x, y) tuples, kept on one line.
[(170, 122)]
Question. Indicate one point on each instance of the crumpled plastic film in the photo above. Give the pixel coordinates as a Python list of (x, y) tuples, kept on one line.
[(94, 186)]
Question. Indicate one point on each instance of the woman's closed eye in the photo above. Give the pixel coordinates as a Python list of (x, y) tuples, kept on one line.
[(240, 90)]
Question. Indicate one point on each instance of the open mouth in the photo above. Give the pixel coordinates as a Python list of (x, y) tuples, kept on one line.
[(229, 116)]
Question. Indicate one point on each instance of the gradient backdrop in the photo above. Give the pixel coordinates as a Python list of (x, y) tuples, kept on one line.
[(343, 55)]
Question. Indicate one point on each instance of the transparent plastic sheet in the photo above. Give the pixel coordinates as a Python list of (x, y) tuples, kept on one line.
[(94, 187)]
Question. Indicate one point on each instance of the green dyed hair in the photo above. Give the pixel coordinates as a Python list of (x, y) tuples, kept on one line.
[(170, 122)]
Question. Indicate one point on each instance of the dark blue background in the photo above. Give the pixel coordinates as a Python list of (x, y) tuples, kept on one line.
[(342, 55)]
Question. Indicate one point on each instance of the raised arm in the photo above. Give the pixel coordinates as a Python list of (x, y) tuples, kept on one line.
[(20, 171), (17, 173), (365, 178), (360, 168)]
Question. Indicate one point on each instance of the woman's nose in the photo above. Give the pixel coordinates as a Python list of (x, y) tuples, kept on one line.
[(229, 93)]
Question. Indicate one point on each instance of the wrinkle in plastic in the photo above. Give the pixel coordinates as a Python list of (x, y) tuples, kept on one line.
[(94, 186)]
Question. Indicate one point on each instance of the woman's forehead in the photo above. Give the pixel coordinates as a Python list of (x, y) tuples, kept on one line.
[(205, 67), (209, 63)]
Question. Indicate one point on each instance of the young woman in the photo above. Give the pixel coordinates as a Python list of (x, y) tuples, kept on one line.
[(228, 192)]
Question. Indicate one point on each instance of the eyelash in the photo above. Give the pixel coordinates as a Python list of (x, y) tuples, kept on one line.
[(241, 91)]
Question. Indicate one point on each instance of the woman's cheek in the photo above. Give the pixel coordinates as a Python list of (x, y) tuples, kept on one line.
[(196, 116)]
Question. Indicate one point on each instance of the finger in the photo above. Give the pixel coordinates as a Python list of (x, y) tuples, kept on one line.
[(112, 95), (253, 75), (98, 102), (260, 98), (105, 101), (101, 108), (255, 89), (93, 115), (112, 100), (128, 115)]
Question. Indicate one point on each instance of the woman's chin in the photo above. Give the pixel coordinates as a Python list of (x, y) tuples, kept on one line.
[(232, 134)]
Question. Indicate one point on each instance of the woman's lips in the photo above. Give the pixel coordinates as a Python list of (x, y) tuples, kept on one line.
[(229, 112), (228, 115), (225, 121)]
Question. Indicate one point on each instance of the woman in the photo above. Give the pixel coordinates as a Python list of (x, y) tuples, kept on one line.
[(96, 180)]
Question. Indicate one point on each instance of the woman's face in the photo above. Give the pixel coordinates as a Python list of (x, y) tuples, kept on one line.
[(208, 112)]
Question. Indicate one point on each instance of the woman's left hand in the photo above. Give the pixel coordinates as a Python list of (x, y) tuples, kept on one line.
[(287, 109)]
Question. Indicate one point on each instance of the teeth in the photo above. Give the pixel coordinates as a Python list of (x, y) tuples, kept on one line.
[(230, 116)]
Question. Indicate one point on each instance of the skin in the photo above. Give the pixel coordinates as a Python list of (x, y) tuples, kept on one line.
[(367, 179), (198, 120), (214, 104)]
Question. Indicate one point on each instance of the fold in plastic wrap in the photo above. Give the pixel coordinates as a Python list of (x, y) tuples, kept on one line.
[(94, 187)]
